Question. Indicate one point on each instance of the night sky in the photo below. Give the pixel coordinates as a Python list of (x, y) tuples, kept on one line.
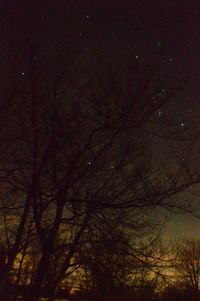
[(163, 34)]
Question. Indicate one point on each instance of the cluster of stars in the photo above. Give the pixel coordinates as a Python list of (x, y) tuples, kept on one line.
[(130, 41)]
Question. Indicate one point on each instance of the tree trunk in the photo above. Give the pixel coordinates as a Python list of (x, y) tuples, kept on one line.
[(38, 282)]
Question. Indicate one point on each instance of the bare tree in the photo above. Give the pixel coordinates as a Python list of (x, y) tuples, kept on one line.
[(188, 265), (78, 145), (79, 155)]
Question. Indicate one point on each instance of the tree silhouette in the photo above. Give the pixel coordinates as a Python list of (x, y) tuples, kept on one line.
[(188, 265), (75, 145)]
